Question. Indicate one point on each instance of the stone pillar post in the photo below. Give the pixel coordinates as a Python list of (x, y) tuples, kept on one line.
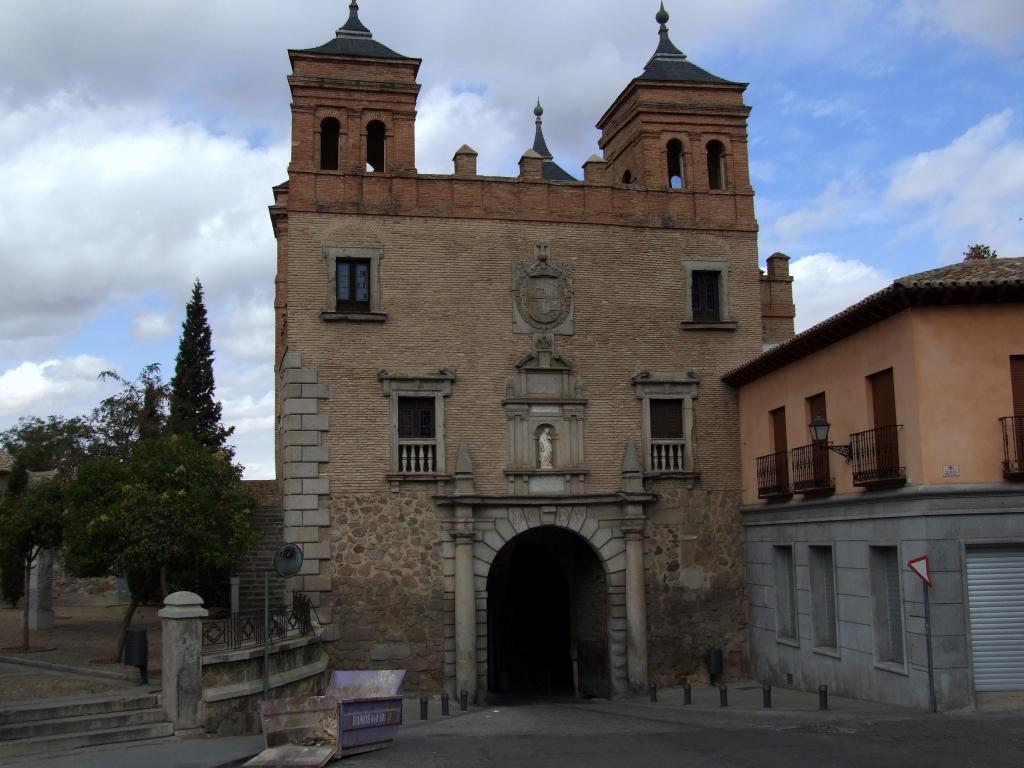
[(40, 592), (636, 594), (636, 606), (465, 584), (181, 636), (465, 611)]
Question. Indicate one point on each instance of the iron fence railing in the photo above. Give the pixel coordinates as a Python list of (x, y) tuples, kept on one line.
[(773, 475), (1013, 447), (875, 456), (245, 630), (811, 470)]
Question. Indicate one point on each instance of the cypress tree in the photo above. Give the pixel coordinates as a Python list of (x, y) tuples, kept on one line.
[(193, 410)]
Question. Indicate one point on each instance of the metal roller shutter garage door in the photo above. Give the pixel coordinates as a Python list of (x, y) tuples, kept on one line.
[(995, 593)]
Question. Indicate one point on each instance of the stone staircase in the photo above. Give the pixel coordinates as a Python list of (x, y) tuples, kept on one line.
[(59, 725)]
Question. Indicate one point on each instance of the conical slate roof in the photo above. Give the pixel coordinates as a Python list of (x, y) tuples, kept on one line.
[(550, 169), (670, 64), (354, 39)]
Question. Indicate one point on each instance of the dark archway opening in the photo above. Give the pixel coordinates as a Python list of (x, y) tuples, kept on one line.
[(376, 147), (330, 130), (547, 617)]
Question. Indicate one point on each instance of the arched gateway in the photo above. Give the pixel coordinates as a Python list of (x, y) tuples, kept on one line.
[(547, 617), (546, 593)]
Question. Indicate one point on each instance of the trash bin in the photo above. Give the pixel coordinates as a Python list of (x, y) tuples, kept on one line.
[(136, 651)]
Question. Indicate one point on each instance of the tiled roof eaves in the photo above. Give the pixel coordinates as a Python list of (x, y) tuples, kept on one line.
[(902, 294)]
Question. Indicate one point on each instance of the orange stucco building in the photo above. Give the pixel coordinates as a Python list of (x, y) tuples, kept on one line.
[(921, 389)]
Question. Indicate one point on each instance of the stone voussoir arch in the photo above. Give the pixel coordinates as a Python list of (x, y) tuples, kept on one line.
[(607, 543)]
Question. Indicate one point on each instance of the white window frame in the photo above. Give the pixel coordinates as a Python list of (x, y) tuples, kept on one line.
[(436, 385), (668, 386)]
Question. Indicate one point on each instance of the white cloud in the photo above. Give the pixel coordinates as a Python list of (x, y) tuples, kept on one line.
[(67, 387), (151, 326), (116, 203), (970, 190), (843, 203), (243, 329), (824, 284), (997, 24)]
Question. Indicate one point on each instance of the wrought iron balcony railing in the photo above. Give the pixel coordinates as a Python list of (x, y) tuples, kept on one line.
[(773, 475), (811, 471), (245, 630), (875, 456), (1013, 447)]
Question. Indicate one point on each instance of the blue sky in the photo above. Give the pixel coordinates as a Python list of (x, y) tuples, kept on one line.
[(139, 142)]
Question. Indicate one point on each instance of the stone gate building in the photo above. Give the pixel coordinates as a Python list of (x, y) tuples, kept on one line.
[(506, 448)]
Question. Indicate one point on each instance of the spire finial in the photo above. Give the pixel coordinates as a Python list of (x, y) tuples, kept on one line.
[(665, 46), (661, 16), (539, 145), (353, 27)]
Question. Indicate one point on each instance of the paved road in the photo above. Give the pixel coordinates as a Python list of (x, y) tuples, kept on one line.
[(636, 733)]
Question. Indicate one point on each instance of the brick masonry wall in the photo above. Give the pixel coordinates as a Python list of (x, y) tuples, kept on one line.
[(269, 524), (446, 287)]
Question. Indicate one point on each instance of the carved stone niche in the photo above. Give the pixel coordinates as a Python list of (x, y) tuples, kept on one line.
[(543, 403)]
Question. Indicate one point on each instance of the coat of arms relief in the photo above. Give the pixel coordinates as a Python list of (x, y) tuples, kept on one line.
[(542, 297)]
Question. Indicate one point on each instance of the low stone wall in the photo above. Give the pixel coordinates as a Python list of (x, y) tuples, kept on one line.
[(233, 682)]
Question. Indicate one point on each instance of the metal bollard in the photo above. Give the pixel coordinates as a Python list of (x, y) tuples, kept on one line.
[(463, 700), (766, 696), (445, 710), (822, 697), (723, 696), (653, 690), (687, 694), (423, 707)]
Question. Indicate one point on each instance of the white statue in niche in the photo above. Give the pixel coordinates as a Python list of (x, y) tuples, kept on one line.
[(545, 448)]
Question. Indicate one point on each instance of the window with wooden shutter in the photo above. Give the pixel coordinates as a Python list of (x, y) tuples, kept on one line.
[(883, 398), (1017, 384)]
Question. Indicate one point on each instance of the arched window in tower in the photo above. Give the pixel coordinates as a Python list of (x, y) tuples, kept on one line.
[(676, 177), (376, 146), (716, 165), (330, 129), (627, 177)]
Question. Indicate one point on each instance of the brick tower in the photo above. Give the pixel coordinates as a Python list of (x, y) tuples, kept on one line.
[(506, 448)]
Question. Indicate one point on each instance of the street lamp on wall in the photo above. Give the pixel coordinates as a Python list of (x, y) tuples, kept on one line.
[(819, 427)]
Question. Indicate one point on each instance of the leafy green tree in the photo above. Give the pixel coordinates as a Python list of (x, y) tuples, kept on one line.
[(173, 505), (12, 578), (979, 251), (55, 443), (138, 410), (193, 408), (33, 520)]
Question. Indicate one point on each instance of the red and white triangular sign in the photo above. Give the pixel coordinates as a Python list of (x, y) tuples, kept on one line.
[(919, 565)]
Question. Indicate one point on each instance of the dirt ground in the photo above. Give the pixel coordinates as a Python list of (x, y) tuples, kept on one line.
[(82, 637)]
